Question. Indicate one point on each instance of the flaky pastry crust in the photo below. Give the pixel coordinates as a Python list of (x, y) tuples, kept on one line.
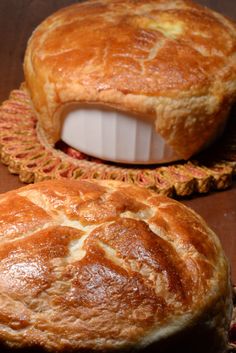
[(105, 266), (171, 62)]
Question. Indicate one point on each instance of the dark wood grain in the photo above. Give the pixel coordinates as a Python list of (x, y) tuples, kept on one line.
[(18, 18)]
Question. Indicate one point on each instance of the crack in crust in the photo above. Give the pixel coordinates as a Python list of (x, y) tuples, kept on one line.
[(113, 266), (169, 62)]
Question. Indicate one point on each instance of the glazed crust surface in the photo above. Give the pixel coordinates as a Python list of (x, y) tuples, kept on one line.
[(106, 265), (170, 62)]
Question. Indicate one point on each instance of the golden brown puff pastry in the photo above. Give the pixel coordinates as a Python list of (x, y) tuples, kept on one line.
[(106, 266), (171, 62)]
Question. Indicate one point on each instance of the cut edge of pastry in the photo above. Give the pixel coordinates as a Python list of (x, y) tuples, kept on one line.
[(26, 151)]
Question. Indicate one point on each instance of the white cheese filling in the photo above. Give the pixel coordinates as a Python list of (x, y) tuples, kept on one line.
[(114, 136)]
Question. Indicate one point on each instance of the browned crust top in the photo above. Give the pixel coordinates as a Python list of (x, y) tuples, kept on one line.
[(102, 264), (171, 62), (129, 46)]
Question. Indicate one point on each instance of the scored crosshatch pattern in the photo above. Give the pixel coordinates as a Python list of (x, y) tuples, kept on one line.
[(11, 76), (103, 252)]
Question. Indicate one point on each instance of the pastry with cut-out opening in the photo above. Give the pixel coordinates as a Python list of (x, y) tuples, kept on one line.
[(133, 81)]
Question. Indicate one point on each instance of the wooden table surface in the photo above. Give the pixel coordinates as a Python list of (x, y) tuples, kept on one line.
[(18, 18)]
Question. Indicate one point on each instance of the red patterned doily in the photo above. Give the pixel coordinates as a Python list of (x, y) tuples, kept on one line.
[(25, 151)]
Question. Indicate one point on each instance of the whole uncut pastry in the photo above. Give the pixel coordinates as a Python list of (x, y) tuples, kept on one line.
[(171, 63), (106, 266)]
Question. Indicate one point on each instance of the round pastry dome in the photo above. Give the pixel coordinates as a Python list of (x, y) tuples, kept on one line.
[(163, 71), (109, 267)]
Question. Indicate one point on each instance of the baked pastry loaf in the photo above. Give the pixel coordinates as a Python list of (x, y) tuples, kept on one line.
[(170, 62), (107, 266)]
